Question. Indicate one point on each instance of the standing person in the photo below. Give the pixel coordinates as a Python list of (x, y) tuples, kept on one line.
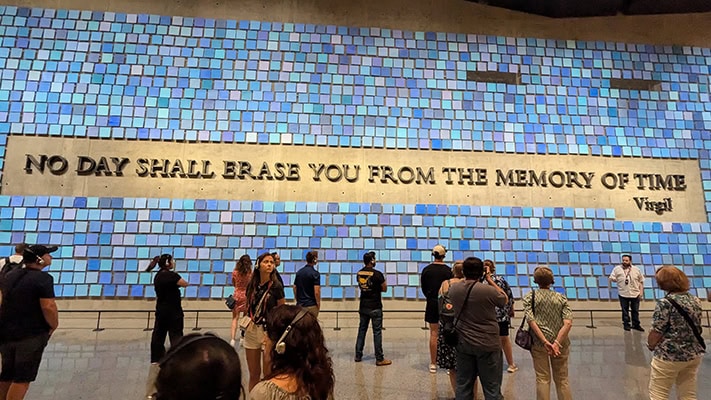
[(431, 280), (675, 338), (307, 285), (550, 319), (240, 279), (630, 285), (14, 261), (479, 347), (446, 354), (28, 318), (264, 293), (277, 263), (503, 316), (371, 283), (301, 366), (169, 312)]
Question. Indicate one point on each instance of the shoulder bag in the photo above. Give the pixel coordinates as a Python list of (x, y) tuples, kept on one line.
[(449, 333), (688, 321), (246, 320), (524, 337)]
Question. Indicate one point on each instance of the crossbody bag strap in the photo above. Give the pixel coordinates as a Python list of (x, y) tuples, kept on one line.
[(688, 321), (466, 298), (261, 301), (533, 307)]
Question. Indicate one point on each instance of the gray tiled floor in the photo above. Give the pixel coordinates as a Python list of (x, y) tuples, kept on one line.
[(605, 363)]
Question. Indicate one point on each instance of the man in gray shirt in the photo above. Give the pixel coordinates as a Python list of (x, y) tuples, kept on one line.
[(479, 347)]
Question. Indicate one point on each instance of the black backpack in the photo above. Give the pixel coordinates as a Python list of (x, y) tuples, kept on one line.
[(9, 266)]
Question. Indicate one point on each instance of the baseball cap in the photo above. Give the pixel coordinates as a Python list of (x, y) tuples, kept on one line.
[(32, 253), (439, 250)]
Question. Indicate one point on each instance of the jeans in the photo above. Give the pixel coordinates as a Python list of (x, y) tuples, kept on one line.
[(543, 364), (626, 303), (487, 365), (666, 374), (172, 326), (377, 317)]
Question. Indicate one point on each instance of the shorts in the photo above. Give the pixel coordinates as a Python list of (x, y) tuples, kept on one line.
[(504, 328), (432, 312), (254, 337), (21, 358)]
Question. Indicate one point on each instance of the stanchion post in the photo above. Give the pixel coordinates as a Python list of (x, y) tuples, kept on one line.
[(592, 322), (148, 323), (98, 324), (197, 320), (337, 328)]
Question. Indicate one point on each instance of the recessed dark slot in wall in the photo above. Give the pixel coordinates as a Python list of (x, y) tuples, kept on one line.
[(494, 77), (635, 84)]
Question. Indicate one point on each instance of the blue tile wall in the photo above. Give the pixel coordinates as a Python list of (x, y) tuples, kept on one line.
[(147, 77)]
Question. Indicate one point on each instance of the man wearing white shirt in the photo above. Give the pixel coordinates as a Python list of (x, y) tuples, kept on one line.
[(630, 285)]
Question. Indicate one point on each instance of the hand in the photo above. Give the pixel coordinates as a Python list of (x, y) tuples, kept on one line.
[(512, 313)]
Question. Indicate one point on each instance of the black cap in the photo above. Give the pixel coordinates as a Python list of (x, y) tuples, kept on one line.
[(32, 253)]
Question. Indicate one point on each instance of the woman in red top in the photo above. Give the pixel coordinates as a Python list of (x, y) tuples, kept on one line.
[(241, 276)]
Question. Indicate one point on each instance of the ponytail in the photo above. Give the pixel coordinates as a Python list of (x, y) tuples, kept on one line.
[(153, 264), (162, 261)]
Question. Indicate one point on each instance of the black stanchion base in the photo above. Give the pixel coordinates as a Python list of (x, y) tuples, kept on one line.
[(591, 326), (197, 329), (147, 329), (336, 329), (97, 329)]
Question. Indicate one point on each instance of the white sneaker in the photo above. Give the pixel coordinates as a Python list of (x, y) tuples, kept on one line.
[(241, 342), (232, 342), (512, 368), (433, 369)]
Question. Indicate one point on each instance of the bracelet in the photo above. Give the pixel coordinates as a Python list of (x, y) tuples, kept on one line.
[(557, 342)]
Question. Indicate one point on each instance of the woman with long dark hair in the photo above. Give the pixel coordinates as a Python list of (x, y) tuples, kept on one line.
[(301, 367), (264, 293), (169, 311), (241, 276)]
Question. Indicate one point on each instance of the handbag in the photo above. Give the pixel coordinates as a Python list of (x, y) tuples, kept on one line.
[(244, 322), (688, 321), (449, 333), (524, 337), (230, 302)]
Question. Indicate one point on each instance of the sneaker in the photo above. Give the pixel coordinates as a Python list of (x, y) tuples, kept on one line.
[(638, 328), (433, 369), (383, 362), (232, 342), (512, 368), (358, 359), (627, 328)]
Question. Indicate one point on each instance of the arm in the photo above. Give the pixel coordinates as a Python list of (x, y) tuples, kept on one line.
[(445, 287), (51, 314), (641, 284), (653, 339), (317, 294), (182, 283), (493, 284), (613, 275), (281, 301)]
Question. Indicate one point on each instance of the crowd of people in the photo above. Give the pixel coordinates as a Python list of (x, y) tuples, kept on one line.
[(284, 345)]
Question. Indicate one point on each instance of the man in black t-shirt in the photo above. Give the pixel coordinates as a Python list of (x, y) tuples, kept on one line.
[(371, 283), (28, 317), (432, 277)]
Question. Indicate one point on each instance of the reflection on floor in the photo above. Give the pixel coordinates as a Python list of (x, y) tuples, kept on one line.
[(605, 363)]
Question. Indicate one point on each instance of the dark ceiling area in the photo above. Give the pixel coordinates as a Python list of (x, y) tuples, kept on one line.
[(598, 8)]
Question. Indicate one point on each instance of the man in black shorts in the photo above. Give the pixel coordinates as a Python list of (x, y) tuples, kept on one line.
[(432, 277), (28, 317)]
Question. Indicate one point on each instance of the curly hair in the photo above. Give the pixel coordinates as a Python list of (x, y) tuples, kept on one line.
[(244, 265), (306, 357)]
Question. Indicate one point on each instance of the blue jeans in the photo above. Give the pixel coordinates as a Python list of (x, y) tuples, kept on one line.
[(487, 365), (626, 303), (377, 317)]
